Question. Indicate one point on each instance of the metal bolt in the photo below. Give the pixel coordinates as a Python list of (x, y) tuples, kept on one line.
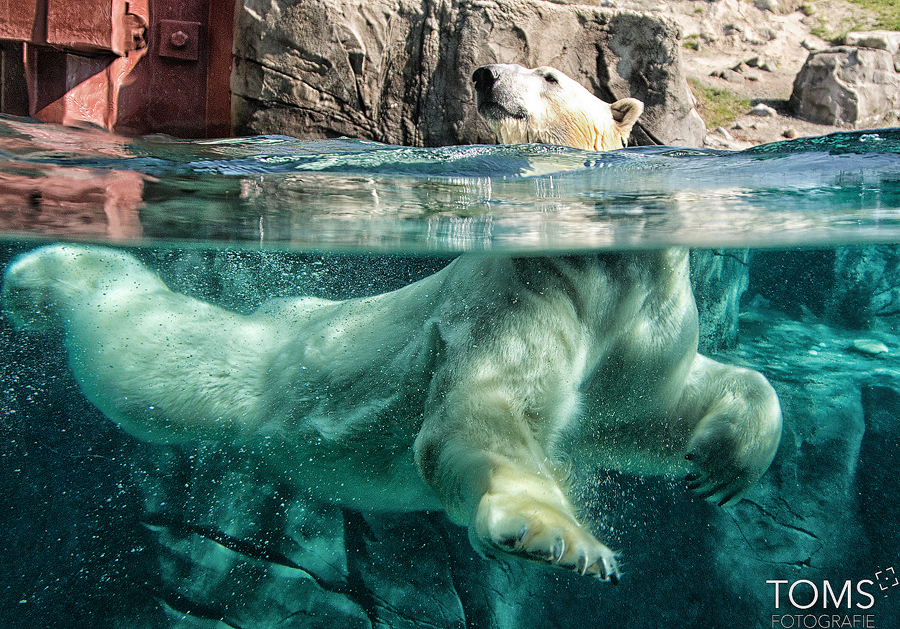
[(178, 39)]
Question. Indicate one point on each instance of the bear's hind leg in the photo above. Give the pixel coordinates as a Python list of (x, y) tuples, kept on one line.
[(164, 366), (41, 286)]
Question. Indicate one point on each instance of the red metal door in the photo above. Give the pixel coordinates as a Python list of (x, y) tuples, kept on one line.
[(136, 67)]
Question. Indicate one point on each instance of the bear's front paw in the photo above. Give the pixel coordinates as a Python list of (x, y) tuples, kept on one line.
[(729, 453), (506, 525)]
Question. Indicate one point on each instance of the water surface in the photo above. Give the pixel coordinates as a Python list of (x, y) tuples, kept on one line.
[(353, 195)]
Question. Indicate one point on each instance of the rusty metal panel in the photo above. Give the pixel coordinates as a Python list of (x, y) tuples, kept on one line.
[(80, 25), (170, 89), (106, 62), (13, 87), (17, 19), (218, 67), (114, 26)]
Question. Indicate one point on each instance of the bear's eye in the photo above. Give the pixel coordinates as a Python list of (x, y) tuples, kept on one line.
[(551, 79)]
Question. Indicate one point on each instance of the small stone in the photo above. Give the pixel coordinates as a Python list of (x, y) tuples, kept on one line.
[(768, 66), (868, 346), (790, 134), (722, 131), (880, 40), (810, 45), (763, 110), (732, 77)]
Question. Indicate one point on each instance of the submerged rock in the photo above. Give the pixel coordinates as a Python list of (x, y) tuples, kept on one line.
[(853, 287), (868, 346), (719, 279), (866, 287)]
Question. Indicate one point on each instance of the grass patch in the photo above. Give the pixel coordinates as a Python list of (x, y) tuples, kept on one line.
[(887, 12), (869, 15), (831, 35), (717, 106), (691, 42)]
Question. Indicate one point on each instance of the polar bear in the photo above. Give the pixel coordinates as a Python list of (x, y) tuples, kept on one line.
[(477, 390), (545, 106)]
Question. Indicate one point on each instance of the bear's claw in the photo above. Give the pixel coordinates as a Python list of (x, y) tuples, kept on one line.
[(722, 491), (556, 553), (542, 533)]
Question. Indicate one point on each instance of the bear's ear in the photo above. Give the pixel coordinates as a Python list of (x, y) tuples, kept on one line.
[(626, 112)]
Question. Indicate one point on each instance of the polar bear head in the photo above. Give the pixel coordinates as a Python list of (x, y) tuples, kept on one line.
[(545, 106)]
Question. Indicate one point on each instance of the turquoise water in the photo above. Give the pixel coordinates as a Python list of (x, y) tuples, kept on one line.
[(796, 270)]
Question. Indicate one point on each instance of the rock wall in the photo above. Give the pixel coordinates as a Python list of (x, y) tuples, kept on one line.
[(821, 510), (853, 287), (719, 279), (866, 290), (399, 71)]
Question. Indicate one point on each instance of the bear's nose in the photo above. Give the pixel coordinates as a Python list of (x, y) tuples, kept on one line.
[(484, 78)]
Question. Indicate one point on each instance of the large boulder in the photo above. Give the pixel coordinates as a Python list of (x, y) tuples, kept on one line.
[(399, 71), (848, 86)]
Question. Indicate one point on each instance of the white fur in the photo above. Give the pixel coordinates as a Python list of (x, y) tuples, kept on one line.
[(470, 390), (543, 105)]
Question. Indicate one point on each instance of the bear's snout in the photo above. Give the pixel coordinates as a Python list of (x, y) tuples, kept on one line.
[(484, 78), (499, 89)]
